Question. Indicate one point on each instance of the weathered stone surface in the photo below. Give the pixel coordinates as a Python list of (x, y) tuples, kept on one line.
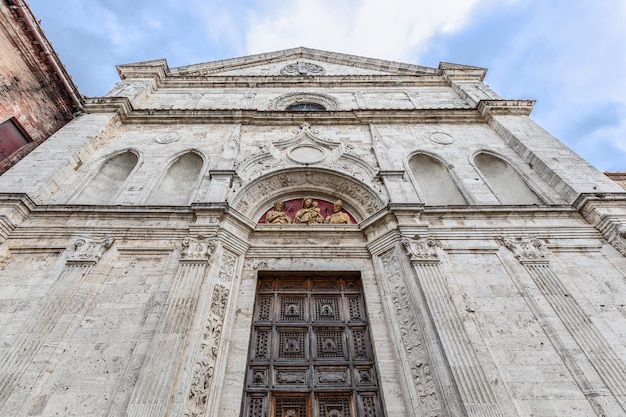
[(137, 299)]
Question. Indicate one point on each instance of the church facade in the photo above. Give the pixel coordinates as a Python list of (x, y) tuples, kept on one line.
[(310, 234)]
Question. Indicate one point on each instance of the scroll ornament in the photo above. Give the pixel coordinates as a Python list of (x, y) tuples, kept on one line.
[(421, 249), (197, 249), (89, 250), (526, 249), (617, 238)]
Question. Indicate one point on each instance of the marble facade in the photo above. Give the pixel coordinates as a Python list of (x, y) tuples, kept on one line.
[(491, 257)]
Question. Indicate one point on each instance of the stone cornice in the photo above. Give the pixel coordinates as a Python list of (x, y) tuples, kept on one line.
[(289, 81), (505, 107), (304, 53), (456, 72), (349, 117)]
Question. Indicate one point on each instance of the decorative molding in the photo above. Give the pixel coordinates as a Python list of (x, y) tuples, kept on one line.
[(205, 365), (253, 198), (197, 249), (227, 267), (441, 138), (410, 333), (285, 100), (169, 137), (302, 68), (88, 251), (421, 249), (526, 249), (617, 237)]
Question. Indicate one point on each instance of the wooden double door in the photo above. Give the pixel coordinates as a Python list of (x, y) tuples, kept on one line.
[(310, 351)]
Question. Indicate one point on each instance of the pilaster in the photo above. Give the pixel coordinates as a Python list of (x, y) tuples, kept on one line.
[(79, 258), (532, 253), (152, 393), (474, 388)]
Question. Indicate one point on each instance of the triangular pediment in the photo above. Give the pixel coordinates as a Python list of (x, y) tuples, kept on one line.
[(302, 62)]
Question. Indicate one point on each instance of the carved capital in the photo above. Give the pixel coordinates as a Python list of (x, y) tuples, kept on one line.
[(197, 249), (421, 249), (526, 249), (85, 250), (617, 238)]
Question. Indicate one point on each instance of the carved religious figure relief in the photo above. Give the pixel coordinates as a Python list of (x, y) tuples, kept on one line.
[(309, 213), (338, 216), (276, 214)]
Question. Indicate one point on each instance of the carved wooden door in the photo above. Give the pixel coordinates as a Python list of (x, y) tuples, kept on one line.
[(310, 351)]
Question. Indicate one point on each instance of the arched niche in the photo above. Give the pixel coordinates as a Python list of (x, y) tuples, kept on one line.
[(180, 181), (255, 198), (106, 184), (283, 101), (290, 209), (434, 181), (505, 182)]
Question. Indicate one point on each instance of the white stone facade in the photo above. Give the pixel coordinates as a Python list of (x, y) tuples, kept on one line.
[(491, 257)]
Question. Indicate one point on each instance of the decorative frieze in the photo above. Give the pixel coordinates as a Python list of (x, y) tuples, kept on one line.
[(205, 364), (411, 334), (227, 267)]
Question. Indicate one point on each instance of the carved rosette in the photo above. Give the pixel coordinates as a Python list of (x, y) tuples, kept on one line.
[(421, 249), (88, 251), (526, 249), (197, 249)]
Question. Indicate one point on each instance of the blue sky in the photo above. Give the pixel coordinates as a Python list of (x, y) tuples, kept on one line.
[(570, 56)]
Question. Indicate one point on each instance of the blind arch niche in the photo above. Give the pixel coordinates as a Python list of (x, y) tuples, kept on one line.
[(107, 183), (180, 181), (505, 182), (434, 181)]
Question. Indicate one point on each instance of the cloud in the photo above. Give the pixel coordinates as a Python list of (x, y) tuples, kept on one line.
[(395, 29), (570, 57)]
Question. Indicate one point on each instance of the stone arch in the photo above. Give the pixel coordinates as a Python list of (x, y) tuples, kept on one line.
[(434, 180), (180, 180), (256, 197), (107, 183), (289, 99), (504, 180)]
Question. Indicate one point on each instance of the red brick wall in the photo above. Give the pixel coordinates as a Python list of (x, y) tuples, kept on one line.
[(30, 90)]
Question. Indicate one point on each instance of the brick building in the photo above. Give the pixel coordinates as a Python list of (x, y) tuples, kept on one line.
[(37, 96)]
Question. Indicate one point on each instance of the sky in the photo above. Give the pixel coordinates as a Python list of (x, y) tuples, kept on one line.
[(570, 56)]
